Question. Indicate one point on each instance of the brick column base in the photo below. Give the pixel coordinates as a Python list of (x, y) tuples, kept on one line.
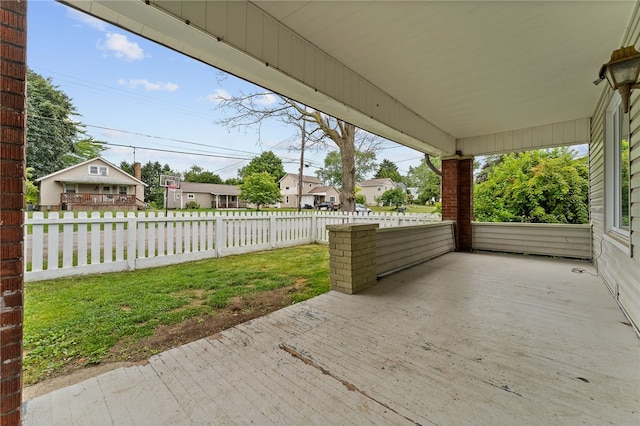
[(352, 257), (13, 72), (457, 198)]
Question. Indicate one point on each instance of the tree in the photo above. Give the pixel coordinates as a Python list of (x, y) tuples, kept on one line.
[(547, 186), (54, 139), (265, 162), (153, 194), (393, 197), (254, 109), (200, 175), (259, 189), (233, 181), (624, 180), (388, 169), (31, 193), (426, 180), (331, 173), (84, 149)]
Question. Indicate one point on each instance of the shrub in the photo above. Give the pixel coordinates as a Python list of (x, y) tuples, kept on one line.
[(192, 205)]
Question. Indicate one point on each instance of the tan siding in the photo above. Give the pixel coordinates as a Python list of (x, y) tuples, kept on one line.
[(49, 194), (534, 238), (398, 248)]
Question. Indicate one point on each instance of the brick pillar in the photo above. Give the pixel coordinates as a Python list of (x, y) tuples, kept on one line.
[(457, 198), (352, 257), (13, 42)]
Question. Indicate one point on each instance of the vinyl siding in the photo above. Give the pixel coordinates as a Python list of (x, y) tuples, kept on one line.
[(547, 239), (399, 248), (550, 135), (618, 264)]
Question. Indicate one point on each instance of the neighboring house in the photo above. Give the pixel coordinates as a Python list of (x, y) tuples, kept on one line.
[(324, 193), (95, 184), (207, 195), (289, 190), (373, 188)]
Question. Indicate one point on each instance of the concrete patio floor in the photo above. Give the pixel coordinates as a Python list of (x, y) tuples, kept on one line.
[(462, 339)]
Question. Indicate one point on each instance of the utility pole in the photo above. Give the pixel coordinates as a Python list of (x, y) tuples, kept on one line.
[(300, 175)]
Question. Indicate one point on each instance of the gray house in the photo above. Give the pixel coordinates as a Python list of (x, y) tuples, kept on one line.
[(206, 195)]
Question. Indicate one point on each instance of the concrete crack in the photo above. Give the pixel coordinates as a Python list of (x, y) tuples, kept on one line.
[(350, 386)]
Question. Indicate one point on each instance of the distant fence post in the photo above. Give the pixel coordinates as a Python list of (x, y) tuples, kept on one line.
[(221, 238), (314, 228), (131, 241), (273, 231)]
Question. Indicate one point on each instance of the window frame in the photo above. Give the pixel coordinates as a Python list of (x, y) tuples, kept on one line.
[(99, 170), (616, 130)]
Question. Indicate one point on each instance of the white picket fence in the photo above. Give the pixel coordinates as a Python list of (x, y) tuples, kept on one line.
[(64, 246)]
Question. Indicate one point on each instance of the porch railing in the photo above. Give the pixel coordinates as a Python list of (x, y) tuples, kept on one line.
[(97, 199)]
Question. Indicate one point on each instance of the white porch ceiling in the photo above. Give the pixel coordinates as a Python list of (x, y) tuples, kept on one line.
[(456, 69)]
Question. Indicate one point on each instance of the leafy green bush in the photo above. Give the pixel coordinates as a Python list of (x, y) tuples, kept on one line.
[(192, 205)]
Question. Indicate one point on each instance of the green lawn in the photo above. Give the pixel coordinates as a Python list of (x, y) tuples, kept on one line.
[(77, 320)]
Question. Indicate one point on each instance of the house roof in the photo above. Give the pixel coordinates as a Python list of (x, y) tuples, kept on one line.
[(375, 182), (321, 190), (210, 188), (90, 179), (309, 179), (425, 74)]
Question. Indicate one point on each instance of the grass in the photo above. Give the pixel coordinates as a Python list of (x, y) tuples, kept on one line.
[(77, 321)]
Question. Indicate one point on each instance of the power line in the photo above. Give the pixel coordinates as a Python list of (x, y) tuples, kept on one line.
[(147, 135)]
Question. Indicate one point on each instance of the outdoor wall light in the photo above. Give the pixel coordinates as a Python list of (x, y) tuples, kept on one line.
[(622, 73)]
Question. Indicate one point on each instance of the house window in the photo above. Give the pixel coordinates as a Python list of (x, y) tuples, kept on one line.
[(106, 190), (191, 196), (98, 171), (287, 200), (617, 169), (122, 190), (70, 189), (379, 188)]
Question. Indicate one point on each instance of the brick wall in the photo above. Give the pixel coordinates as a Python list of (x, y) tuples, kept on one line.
[(457, 198), (352, 257), (13, 39)]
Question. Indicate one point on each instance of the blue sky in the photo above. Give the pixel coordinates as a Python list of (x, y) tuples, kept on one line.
[(132, 92)]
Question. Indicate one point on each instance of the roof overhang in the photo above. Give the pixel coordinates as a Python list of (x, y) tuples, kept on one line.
[(98, 180), (425, 74)]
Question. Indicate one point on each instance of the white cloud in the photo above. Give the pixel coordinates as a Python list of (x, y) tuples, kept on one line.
[(218, 96), (86, 19), (266, 99), (148, 85), (121, 47)]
